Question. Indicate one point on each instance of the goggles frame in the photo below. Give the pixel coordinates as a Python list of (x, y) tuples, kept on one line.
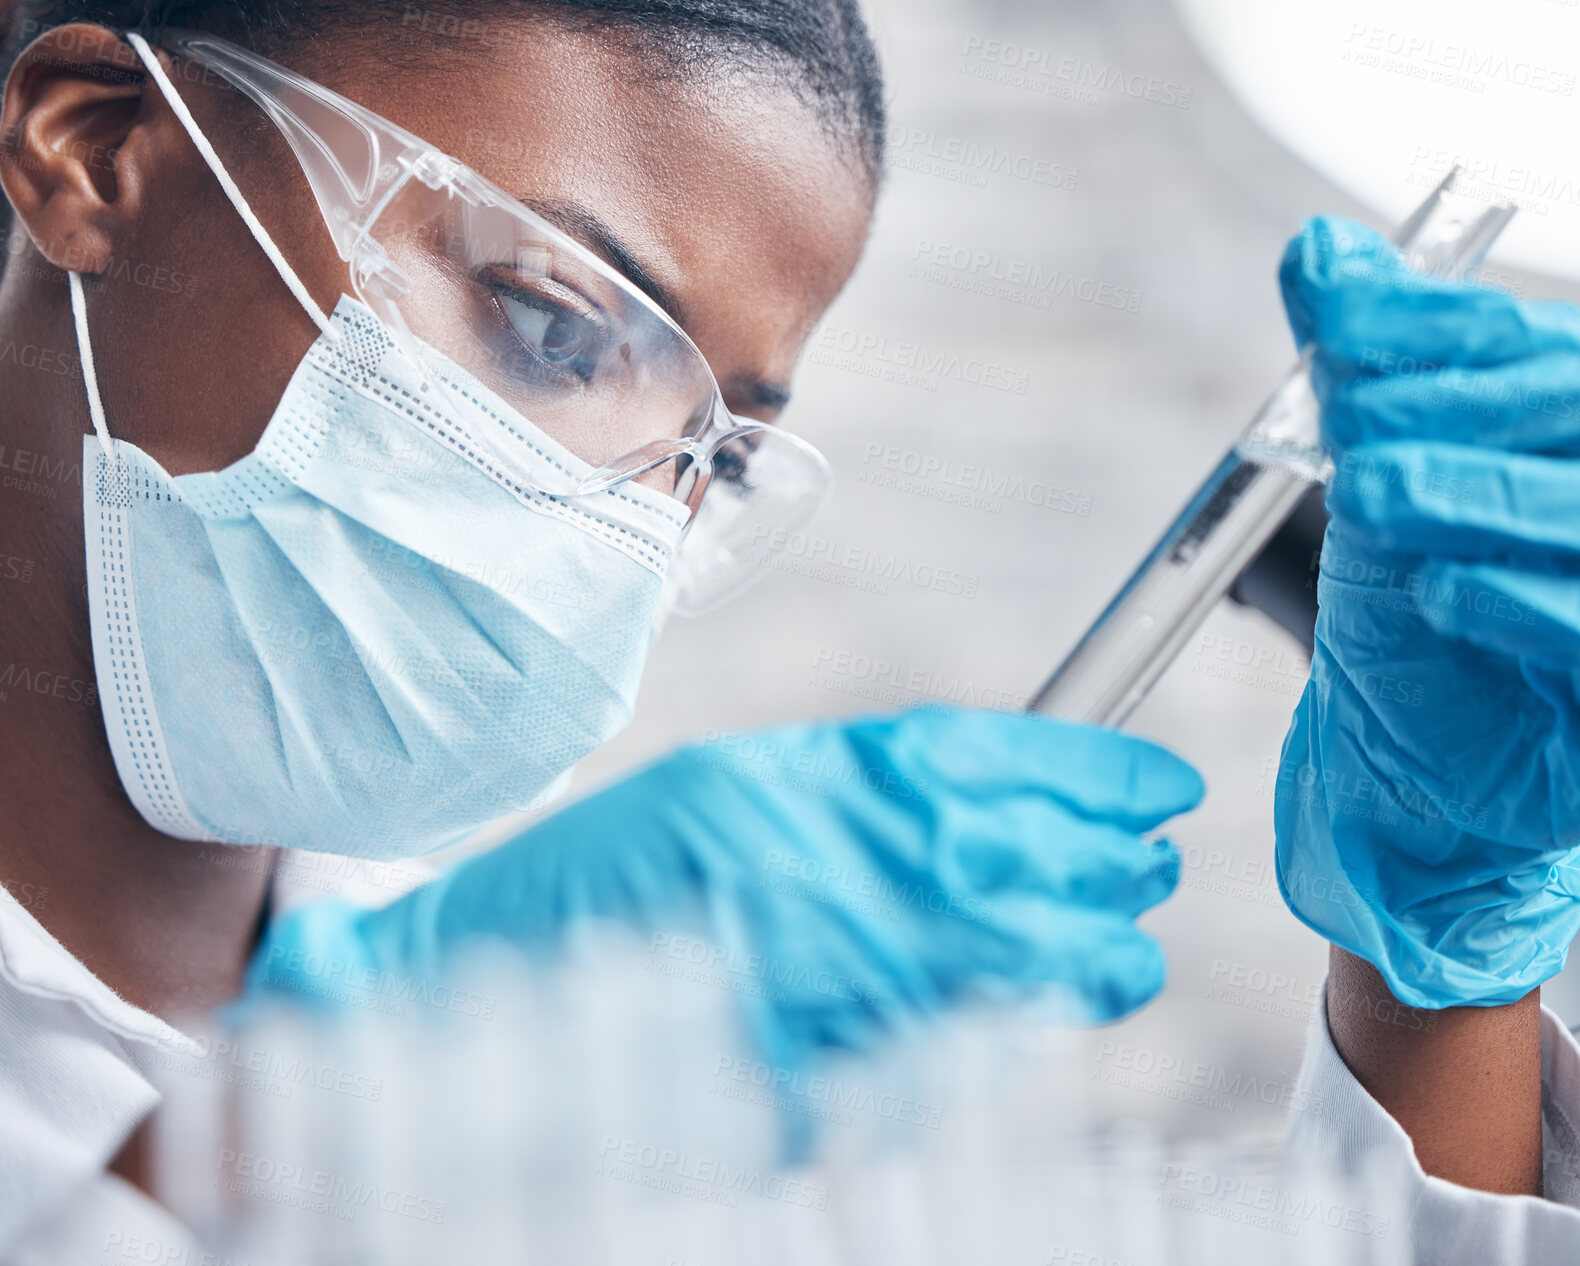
[(357, 163)]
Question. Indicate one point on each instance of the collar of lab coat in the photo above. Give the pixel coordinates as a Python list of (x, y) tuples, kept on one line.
[(36, 963), (76, 1074)]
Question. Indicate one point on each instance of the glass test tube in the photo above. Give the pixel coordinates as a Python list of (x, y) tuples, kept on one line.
[(1241, 505)]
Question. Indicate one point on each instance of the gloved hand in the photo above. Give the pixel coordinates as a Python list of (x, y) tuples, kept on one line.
[(1428, 815), (842, 877)]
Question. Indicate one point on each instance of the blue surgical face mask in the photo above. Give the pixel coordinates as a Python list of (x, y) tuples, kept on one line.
[(369, 636), (364, 637)]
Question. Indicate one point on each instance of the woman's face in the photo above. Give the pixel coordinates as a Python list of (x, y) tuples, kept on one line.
[(724, 199)]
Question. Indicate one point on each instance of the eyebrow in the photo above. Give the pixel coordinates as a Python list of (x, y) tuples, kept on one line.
[(583, 224)]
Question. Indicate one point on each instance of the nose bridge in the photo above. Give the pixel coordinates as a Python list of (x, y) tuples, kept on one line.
[(695, 477), (719, 422), (692, 453)]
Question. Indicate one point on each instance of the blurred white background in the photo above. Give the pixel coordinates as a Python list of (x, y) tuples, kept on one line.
[(1130, 176)]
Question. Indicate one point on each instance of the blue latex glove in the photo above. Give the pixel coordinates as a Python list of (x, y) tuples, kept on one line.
[(842, 878), (1429, 804)]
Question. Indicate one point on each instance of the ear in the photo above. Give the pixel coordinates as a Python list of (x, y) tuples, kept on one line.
[(68, 162)]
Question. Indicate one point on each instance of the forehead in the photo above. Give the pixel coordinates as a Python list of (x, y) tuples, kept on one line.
[(726, 189)]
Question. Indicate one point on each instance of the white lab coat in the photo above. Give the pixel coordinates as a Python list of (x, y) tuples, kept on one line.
[(1339, 1120), (74, 1081), (76, 1063)]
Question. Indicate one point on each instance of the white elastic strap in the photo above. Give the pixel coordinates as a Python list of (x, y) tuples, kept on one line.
[(90, 377), (287, 273)]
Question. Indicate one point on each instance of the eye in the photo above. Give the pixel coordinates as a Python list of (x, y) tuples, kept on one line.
[(731, 463), (558, 333)]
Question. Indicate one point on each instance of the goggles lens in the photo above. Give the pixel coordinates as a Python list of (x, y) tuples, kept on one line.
[(537, 319), (454, 265), (765, 486)]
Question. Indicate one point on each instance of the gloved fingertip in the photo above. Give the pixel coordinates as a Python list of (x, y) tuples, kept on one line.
[(1152, 881), (1105, 773), (1166, 863), (1167, 783), (1299, 307), (1334, 246), (1326, 249), (1136, 973)]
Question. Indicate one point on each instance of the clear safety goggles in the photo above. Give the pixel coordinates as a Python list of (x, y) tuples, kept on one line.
[(453, 263)]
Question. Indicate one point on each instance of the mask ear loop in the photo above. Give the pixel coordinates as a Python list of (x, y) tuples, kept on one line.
[(173, 98), (90, 377)]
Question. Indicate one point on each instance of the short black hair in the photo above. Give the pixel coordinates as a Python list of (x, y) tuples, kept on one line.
[(819, 48)]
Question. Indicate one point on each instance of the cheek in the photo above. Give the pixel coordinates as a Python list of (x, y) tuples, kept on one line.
[(194, 334)]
